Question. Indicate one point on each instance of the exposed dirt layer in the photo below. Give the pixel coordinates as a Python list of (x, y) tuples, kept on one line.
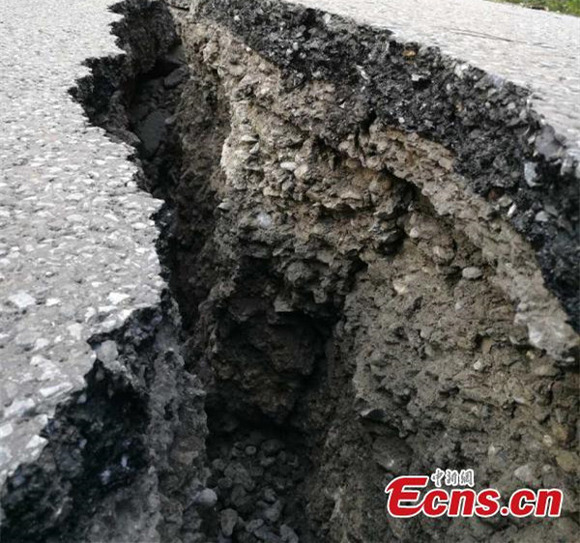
[(484, 122), (359, 296)]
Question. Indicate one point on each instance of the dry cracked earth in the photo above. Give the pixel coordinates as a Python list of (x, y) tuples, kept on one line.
[(259, 258)]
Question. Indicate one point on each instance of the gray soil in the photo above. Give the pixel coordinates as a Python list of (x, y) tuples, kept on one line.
[(372, 272)]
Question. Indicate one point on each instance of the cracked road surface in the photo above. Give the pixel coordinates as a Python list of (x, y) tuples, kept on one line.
[(535, 49), (77, 249), (77, 252)]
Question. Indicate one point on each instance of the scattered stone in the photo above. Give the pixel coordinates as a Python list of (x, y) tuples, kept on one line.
[(19, 408), (400, 286), (269, 495), (471, 273), (38, 360), (117, 297), (443, 255), (22, 300), (254, 525), (76, 331), (6, 430), (36, 442), (351, 195), (207, 498), (239, 497), (525, 474), (530, 174), (272, 514), (107, 351), (545, 370), (56, 389), (264, 220), (26, 339), (288, 534), (228, 520), (568, 461), (288, 166), (267, 461)]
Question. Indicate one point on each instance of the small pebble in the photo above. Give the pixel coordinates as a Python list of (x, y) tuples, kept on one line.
[(22, 300), (206, 498), (228, 520), (471, 273)]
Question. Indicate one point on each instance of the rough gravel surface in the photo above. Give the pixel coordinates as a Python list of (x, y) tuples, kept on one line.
[(77, 251)]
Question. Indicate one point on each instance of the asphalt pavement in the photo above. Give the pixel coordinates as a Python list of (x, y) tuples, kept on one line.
[(536, 49), (77, 252)]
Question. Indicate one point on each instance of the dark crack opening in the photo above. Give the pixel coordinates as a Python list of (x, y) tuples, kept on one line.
[(132, 445)]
